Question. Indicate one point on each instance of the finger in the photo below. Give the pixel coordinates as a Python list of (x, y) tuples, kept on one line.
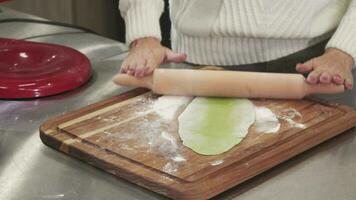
[(148, 71), (349, 81), (313, 77), (138, 72), (131, 69), (151, 65), (175, 57), (302, 68), (131, 72), (140, 69), (124, 67), (325, 78), (338, 79), (306, 67), (132, 66)]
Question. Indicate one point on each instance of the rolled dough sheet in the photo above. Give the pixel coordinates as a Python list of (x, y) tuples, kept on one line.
[(211, 126)]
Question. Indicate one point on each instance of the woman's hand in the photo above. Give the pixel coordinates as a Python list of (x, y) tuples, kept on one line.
[(334, 66), (147, 54)]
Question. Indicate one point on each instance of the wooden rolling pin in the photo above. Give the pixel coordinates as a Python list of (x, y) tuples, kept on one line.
[(185, 82)]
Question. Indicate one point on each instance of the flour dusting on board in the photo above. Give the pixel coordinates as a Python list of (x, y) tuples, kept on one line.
[(167, 106), (266, 121), (216, 162), (163, 142), (289, 115), (170, 168), (166, 145), (150, 131), (149, 136)]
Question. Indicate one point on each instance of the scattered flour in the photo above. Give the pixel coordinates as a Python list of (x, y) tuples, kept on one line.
[(167, 106), (216, 162), (168, 148), (179, 158), (166, 145), (289, 115), (170, 168), (294, 124), (266, 121)]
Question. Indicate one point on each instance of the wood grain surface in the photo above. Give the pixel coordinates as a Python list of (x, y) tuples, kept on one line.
[(127, 138)]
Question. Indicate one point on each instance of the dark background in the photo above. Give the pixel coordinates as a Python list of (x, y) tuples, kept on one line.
[(101, 16)]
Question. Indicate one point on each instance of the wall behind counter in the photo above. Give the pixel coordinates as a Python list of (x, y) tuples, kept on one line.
[(100, 16)]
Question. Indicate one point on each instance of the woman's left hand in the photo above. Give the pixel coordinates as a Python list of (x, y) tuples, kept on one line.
[(334, 66)]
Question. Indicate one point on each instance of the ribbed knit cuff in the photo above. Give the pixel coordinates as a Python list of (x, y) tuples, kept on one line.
[(142, 20), (345, 38)]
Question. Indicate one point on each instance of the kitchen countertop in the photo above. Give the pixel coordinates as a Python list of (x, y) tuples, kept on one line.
[(32, 171)]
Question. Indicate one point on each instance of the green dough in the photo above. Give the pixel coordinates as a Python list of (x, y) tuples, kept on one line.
[(211, 126)]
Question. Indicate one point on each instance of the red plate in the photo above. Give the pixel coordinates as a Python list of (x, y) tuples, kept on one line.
[(31, 69)]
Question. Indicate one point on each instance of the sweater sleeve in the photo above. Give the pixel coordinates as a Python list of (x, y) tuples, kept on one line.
[(345, 35), (141, 18)]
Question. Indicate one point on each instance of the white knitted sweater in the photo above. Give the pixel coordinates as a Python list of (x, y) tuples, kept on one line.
[(232, 32)]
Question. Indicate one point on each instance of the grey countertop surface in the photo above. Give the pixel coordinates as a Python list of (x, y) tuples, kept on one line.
[(32, 171)]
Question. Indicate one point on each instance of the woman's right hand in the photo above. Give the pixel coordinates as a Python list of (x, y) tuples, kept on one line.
[(147, 54)]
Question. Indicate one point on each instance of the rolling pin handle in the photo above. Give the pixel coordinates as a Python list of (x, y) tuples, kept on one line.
[(324, 89), (131, 81)]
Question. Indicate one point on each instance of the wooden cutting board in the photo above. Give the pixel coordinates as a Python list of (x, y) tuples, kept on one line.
[(126, 138)]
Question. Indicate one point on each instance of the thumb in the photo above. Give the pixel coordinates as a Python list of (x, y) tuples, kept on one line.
[(305, 67), (175, 57)]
